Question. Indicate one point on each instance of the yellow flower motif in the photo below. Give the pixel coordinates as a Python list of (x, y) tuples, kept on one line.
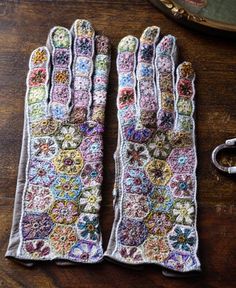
[(84, 28), (62, 77), (186, 70), (39, 57), (69, 162), (159, 172), (44, 127)]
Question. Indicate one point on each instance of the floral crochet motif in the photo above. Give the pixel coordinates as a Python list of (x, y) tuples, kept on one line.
[(68, 137), (132, 232), (37, 248), (135, 181), (183, 211), (86, 251), (88, 226), (136, 154), (160, 199), (156, 249), (91, 148), (67, 187), (41, 173), (62, 238), (44, 127), (182, 186), (37, 198), (37, 77), (182, 160), (135, 206), (90, 200), (159, 172), (182, 238), (130, 254), (180, 261), (159, 223), (159, 146), (60, 38), (68, 162), (36, 226), (92, 174), (43, 147), (64, 212)]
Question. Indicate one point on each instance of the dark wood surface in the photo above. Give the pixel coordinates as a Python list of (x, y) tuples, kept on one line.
[(24, 26)]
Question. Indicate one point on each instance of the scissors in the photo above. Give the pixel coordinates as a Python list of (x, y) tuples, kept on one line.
[(229, 144)]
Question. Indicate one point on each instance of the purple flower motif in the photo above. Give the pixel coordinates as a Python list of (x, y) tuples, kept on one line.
[(182, 262), (37, 248), (165, 120), (41, 173), (62, 57), (158, 223), (36, 226), (91, 128), (131, 254), (84, 46), (132, 232), (136, 181), (182, 186), (137, 135), (182, 160), (146, 52), (86, 251)]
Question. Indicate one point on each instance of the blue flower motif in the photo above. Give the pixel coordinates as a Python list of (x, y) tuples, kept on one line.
[(126, 80), (160, 199), (182, 238), (146, 70), (89, 227), (41, 173), (66, 187), (136, 181), (58, 111), (83, 65)]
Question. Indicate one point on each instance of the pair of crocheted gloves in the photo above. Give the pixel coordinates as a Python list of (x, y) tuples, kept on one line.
[(58, 195)]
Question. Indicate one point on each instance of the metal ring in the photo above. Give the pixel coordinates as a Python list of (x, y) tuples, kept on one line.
[(229, 170)]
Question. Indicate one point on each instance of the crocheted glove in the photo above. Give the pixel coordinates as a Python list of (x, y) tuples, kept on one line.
[(155, 188), (60, 174)]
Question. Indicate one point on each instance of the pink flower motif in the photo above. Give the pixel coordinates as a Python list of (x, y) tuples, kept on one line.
[(182, 186), (81, 98), (37, 77), (159, 223), (125, 62), (82, 83), (185, 88), (182, 160), (60, 94), (37, 198), (164, 64), (91, 148), (92, 174), (131, 254), (135, 206)]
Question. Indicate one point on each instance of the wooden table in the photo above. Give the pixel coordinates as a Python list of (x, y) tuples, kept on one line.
[(24, 26)]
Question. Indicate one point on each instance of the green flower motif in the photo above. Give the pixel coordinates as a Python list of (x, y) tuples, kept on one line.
[(184, 106), (127, 44), (37, 111), (36, 94), (61, 38), (102, 63)]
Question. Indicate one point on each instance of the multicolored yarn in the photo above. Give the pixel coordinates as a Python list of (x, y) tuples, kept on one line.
[(62, 192), (155, 189)]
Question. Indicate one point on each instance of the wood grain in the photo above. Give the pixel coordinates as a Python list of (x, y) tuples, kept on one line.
[(24, 26)]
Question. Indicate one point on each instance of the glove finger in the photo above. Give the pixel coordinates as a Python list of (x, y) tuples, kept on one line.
[(185, 92), (126, 64), (166, 55), (147, 101), (37, 85), (100, 78), (82, 70), (59, 41)]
